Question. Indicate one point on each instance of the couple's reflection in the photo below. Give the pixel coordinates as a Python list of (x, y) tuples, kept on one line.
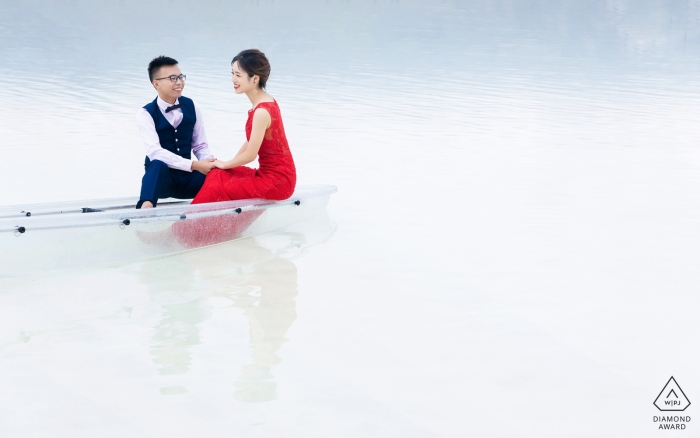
[(253, 274), (270, 308)]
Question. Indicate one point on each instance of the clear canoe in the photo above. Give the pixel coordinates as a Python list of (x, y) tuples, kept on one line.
[(79, 234)]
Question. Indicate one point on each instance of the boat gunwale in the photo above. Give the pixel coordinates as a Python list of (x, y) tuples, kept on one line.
[(124, 217)]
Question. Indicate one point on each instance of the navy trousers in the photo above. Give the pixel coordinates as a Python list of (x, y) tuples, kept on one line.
[(160, 181)]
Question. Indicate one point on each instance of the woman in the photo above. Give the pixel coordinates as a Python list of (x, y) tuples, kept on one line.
[(276, 176)]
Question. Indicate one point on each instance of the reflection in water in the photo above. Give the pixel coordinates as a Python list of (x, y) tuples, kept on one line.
[(270, 308), (236, 300), (169, 282), (254, 275), (175, 333)]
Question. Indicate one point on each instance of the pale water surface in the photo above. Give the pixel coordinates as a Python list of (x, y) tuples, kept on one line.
[(513, 250)]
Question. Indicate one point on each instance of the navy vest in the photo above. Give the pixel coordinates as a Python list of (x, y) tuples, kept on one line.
[(176, 140)]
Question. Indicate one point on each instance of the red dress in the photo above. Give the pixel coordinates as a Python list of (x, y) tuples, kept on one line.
[(275, 177)]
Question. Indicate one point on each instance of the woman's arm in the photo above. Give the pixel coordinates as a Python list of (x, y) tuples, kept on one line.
[(241, 150), (249, 150)]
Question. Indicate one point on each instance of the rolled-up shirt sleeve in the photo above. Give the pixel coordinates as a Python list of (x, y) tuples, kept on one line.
[(154, 151), (200, 147)]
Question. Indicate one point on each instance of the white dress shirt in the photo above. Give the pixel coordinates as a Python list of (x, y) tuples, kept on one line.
[(154, 151)]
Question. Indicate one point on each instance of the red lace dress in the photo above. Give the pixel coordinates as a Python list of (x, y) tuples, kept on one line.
[(274, 179)]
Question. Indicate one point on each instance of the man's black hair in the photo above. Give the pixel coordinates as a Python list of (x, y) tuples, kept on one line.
[(157, 63)]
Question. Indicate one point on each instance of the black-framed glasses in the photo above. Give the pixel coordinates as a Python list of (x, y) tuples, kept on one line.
[(173, 78)]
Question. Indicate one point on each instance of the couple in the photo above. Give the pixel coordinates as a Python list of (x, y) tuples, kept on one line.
[(172, 129)]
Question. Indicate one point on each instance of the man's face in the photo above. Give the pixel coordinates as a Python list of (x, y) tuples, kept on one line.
[(167, 90)]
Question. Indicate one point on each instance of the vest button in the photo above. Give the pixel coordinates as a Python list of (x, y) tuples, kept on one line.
[(178, 149), (176, 130), (176, 139)]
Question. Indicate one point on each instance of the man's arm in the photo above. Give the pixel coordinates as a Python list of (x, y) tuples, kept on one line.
[(154, 151), (200, 147)]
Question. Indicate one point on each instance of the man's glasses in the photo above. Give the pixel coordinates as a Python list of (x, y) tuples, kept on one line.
[(173, 78)]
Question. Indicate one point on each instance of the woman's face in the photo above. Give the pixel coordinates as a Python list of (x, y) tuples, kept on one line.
[(242, 83)]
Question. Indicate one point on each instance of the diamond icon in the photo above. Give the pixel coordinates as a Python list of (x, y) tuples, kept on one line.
[(672, 397)]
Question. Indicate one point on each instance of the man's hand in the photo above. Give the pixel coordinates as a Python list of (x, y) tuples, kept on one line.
[(203, 166)]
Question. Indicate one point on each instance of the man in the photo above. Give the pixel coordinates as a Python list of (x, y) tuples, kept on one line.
[(172, 129)]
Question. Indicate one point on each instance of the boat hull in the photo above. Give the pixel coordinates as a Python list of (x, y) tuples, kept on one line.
[(59, 241)]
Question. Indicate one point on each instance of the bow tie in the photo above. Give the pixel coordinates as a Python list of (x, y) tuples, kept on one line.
[(174, 107)]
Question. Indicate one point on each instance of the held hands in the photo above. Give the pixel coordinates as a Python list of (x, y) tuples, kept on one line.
[(204, 166), (220, 164)]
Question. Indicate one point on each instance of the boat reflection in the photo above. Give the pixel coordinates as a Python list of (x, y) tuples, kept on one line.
[(254, 275)]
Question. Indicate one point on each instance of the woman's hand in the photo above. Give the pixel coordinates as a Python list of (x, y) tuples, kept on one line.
[(220, 164)]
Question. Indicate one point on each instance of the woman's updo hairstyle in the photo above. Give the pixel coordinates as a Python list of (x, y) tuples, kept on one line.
[(254, 62)]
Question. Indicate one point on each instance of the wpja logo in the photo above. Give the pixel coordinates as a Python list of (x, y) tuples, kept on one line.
[(672, 398)]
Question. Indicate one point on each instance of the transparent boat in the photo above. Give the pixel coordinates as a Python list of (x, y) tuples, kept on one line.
[(78, 234)]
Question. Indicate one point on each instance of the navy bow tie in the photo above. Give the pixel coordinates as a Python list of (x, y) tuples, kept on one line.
[(174, 107)]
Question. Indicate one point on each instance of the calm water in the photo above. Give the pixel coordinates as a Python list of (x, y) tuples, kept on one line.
[(514, 246)]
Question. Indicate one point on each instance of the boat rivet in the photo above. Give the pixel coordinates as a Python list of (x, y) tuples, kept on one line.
[(238, 210), (20, 230), (124, 223), (29, 213), (297, 202), (182, 216)]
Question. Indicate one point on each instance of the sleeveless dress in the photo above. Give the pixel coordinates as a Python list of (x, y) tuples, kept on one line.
[(275, 177)]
